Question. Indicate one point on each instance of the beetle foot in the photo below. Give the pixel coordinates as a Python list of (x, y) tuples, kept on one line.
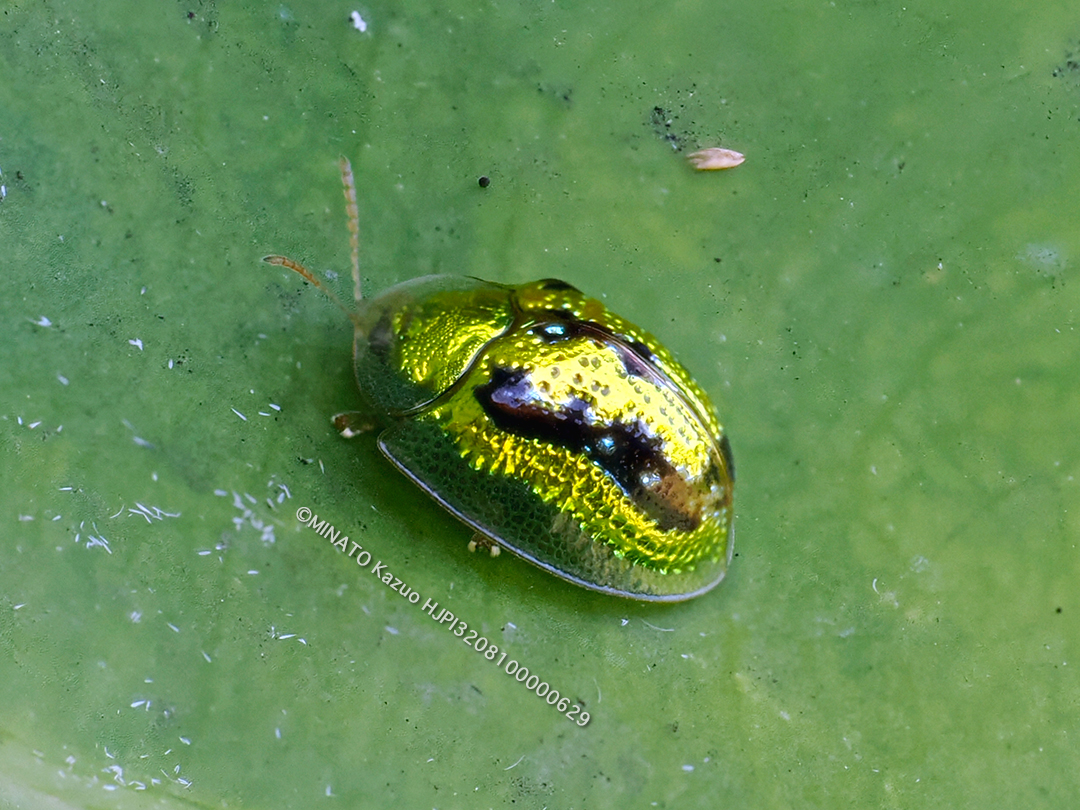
[(352, 423), (483, 541)]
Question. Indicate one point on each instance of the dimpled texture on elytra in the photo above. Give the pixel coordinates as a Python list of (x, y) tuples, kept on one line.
[(592, 452)]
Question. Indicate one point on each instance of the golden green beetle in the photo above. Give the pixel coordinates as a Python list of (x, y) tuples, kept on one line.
[(548, 424)]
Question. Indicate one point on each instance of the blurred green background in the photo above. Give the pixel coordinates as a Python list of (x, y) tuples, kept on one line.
[(882, 300)]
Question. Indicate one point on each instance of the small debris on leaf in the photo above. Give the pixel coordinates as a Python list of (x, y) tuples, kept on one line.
[(714, 158)]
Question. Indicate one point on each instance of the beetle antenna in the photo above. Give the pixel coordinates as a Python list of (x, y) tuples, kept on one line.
[(349, 187), (282, 261)]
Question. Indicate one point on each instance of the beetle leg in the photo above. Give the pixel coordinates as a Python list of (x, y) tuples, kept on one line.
[(483, 541), (352, 423)]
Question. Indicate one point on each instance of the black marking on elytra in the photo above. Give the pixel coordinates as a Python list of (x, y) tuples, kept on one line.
[(635, 364), (556, 332), (729, 458), (629, 453), (712, 474), (560, 326)]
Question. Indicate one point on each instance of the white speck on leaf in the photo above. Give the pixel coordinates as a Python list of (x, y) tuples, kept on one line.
[(151, 513), (92, 542)]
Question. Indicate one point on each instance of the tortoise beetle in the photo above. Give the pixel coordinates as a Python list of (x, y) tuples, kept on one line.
[(548, 424)]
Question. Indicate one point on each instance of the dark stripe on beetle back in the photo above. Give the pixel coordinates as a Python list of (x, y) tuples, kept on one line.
[(627, 452), (635, 356)]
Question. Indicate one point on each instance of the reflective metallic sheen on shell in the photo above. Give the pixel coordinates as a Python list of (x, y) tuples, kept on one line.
[(554, 427)]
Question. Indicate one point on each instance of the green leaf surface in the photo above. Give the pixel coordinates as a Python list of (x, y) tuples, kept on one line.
[(882, 300)]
